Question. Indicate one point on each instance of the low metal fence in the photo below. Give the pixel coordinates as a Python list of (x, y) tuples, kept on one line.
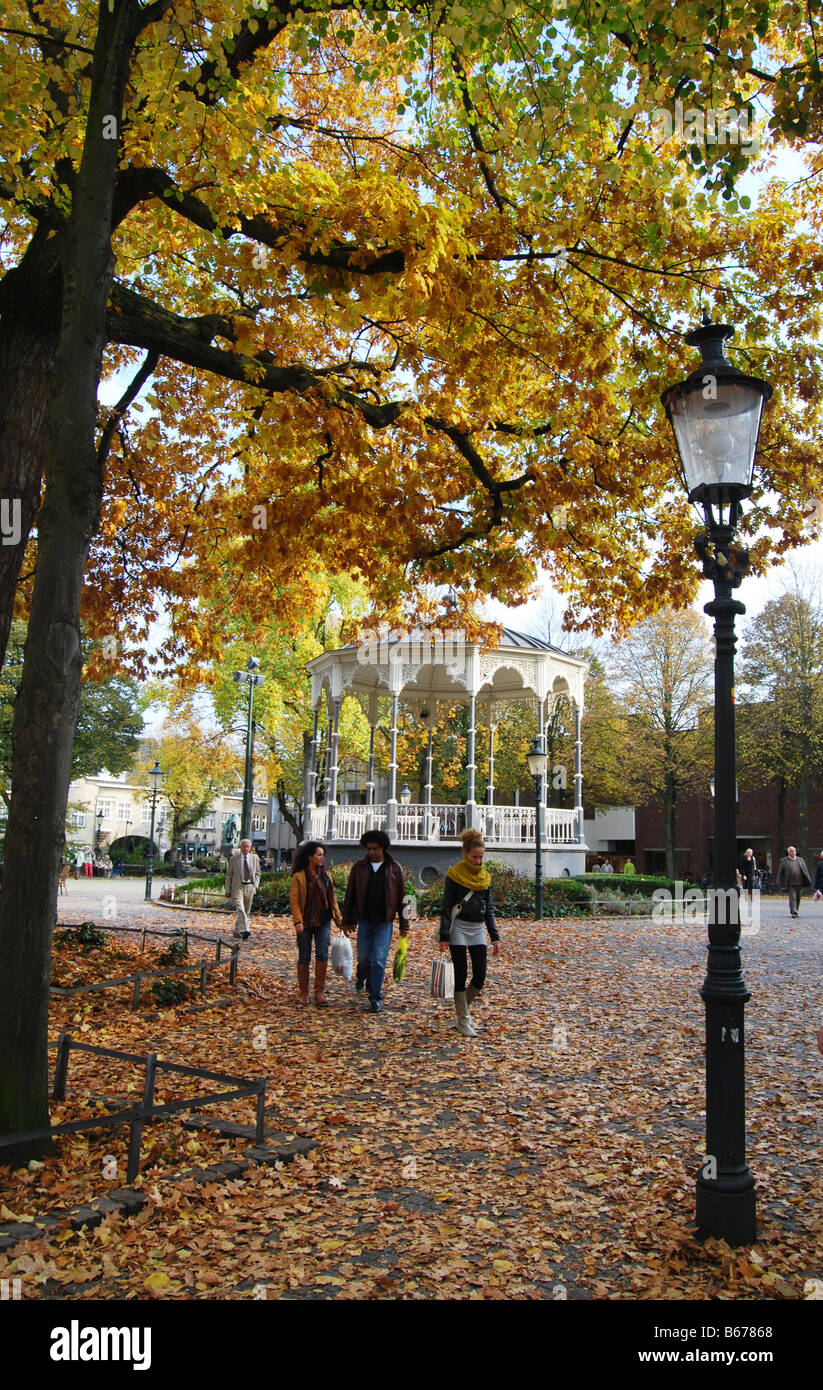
[(136, 980), (146, 1110)]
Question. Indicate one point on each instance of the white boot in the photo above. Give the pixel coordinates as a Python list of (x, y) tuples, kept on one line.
[(464, 1020)]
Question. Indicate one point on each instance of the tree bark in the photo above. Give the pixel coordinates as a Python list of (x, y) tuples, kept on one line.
[(47, 703), (670, 824), (29, 331), (781, 819)]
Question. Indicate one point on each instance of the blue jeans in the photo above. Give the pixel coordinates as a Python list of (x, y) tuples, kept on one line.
[(373, 941), (320, 936)]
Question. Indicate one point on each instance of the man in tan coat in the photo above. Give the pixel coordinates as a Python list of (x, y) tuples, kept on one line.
[(242, 878)]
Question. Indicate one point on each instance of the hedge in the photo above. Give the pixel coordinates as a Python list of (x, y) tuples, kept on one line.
[(635, 885), (513, 895), (272, 896)]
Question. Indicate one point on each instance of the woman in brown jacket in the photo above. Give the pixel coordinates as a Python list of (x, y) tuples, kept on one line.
[(313, 905)]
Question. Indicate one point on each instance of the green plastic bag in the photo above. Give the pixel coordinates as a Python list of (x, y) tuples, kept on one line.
[(399, 967)]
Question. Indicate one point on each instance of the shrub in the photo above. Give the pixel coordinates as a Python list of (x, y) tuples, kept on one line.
[(176, 954), (169, 990), (635, 885), (513, 895), (87, 935)]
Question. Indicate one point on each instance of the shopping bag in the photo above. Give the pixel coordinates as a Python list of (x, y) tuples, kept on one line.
[(341, 956), (818, 895), (399, 967), (442, 985)]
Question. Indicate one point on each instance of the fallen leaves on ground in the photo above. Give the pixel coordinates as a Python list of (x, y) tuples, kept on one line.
[(552, 1157)]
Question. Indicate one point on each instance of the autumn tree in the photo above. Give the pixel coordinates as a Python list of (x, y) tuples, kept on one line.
[(198, 764), (405, 279), (664, 674), (109, 720), (781, 673)]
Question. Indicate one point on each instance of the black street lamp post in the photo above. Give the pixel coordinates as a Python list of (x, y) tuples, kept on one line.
[(99, 834), (537, 761), (252, 678), (715, 415), (155, 775)]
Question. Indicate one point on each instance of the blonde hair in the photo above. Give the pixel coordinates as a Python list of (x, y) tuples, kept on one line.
[(471, 839)]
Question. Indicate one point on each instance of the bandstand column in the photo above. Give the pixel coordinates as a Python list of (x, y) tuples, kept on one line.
[(427, 790), (333, 734), (578, 769), (372, 728), (391, 805)]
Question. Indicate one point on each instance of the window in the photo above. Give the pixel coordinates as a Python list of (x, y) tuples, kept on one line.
[(207, 821), (77, 820), (123, 810), (106, 807), (258, 822)]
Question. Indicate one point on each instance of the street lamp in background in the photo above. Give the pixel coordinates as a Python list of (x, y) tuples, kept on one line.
[(156, 776), (537, 761), (405, 795), (99, 834), (715, 415), (252, 678)]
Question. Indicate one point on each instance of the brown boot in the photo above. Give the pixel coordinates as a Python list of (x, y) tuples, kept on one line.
[(303, 983), (320, 967)]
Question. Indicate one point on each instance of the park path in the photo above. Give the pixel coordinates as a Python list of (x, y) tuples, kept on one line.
[(552, 1157)]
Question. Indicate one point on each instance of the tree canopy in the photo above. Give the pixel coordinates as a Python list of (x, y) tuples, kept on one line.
[(407, 279)]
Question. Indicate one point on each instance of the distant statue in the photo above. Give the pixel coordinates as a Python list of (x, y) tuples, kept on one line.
[(230, 830)]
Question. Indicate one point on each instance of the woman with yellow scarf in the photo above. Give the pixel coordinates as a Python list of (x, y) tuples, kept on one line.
[(467, 912)]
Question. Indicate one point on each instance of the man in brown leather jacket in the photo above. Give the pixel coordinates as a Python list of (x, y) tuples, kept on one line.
[(374, 897)]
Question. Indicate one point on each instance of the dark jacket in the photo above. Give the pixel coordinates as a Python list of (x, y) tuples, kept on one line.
[(747, 870), (818, 877), (783, 872), (355, 899), (479, 908)]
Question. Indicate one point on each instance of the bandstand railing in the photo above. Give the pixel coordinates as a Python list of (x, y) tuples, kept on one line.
[(418, 823)]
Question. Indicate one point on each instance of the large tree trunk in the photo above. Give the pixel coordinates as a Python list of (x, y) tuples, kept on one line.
[(29, 331), (781, 819), (803, 805), (47, 702), (670, 824)]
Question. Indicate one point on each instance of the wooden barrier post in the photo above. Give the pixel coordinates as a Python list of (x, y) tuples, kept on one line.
[(203, 976), (233, 965), (142, 1113), (143, 941), (135, 998), (61, 1066), (217, 952)]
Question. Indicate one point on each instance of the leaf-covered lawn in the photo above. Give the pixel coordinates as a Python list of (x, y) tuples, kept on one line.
[(552, 1157)]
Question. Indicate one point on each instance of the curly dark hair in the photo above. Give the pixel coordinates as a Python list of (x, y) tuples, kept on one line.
[(304, 854), (375, 837)]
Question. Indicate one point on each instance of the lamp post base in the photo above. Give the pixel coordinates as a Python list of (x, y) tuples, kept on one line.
[(727, 1211)]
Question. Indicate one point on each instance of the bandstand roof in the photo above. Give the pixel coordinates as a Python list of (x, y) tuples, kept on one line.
[(426, 665)]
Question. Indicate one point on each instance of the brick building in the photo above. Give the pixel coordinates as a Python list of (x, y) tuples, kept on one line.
[(756, 829)]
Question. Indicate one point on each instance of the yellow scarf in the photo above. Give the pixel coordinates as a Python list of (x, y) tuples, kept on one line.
[(469, 876)]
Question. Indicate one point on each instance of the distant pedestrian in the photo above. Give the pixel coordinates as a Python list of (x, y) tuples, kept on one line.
[(793, 875), (818, 877), (375, 895), (242, 878), (748, 869), (467, 913), (628, 867), (608, 867), (89, 863), (313, 905)]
